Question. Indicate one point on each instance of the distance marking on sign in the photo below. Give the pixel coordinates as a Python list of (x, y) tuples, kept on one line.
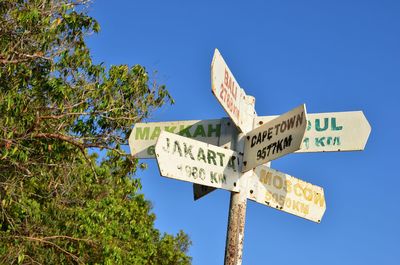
[(197, 162), (286, 193), (276, 138), (331, 131)]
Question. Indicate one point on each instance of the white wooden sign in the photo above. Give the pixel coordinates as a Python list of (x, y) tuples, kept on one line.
[(326, 132), (197, 162), (286, 193), (144, 135), (331, 131), (276, 138), (232, 97)]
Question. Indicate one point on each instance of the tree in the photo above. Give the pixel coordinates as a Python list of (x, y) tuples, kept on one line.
[(61, 201)]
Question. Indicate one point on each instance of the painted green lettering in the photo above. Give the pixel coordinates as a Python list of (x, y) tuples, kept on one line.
[(318, 125), (184, 131), (188, 150), (217, 130), (211, 156), (156, 133), (306, 142), (151, 150), (166, 149), (177, 148), (334, 126), (213, 176), (309, 125), (142, 133), (221, 158), (199, 131), (231, 163), (336, 140), (319, 141), (222, 179), (201, 155), (170, 129)]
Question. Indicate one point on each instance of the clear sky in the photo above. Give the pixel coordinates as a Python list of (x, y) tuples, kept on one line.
[(331, 55)]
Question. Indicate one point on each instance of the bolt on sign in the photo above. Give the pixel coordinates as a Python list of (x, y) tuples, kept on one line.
[(283, 135), (197, 162), (228, 92), (286, 193), (331, 132)]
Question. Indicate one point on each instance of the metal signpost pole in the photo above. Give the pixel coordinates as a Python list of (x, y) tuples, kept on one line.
[(236, 220), (238, 200), (235, 233)]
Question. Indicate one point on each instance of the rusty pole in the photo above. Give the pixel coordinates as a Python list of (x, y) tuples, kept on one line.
[(238, 201), (237, 216), (235, 233)]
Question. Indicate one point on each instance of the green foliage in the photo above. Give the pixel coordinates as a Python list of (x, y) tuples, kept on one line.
[(60, 203)]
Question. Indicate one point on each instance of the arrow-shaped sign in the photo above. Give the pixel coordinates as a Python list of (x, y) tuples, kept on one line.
[(197, 162), (232, 97), (326, 132), (286, 193), (331, 131), (283, 135)]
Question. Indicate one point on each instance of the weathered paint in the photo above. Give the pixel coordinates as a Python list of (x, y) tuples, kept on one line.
[(144, 135), (332, 132), (286, 193), (228, 132), (232, 97), (197, 162), (235, 233), (326, 132), (276, 138)]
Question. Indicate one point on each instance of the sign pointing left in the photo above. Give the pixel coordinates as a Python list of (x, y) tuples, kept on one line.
[(197, 162)]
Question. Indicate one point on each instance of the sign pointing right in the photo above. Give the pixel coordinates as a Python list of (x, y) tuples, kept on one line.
[(286, 193), (281, 136)]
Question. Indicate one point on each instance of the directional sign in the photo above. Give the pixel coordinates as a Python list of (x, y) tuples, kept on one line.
[(332, 132), (281, 136), (197, 162), (286, 193), (144, 135), (233, 99), (326, 132)]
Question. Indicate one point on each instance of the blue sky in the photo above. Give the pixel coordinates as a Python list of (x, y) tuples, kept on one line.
[(330, 55)]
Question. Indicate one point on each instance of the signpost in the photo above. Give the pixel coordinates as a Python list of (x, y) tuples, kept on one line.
[(193, 161), (286, 193), (281, 136), (239, 163)]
